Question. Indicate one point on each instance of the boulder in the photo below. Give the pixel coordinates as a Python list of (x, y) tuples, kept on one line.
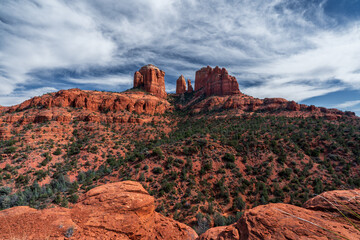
[(320, 218), (122, 210)]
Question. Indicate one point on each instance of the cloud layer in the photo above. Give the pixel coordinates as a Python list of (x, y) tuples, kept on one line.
[(280, 48)]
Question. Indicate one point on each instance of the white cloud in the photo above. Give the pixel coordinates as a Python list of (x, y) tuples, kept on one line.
[(110, 80), (45, 35), (22, 95), (291, 46), (348, 104)]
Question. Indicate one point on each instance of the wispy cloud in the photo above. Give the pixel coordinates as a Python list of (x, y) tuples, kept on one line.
[(22, 95), (280, 48), (110, 80), (348, 104)]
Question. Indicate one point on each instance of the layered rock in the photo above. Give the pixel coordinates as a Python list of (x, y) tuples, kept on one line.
[(190, 88), (319, 219), (180, 85), (89, 106), (122, 210), (241, 103), (151, 79), (215, 81)]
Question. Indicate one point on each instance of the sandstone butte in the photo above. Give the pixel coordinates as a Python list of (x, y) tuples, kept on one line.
[(122, 210), (319, 218), (215, 81), (180, 85), (151, 79), (190, 87)]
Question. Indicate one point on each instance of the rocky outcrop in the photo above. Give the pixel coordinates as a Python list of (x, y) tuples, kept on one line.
[(319, 219), (180, 85), (122, 210), (67, 105), (151, 79), (190, 87), (215, 81), (242, 103)]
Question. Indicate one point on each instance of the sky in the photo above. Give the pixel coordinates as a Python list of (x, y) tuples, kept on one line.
[(302, 50)]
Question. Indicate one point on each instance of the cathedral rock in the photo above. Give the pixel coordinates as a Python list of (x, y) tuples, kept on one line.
[(151, 79), (215, 81)]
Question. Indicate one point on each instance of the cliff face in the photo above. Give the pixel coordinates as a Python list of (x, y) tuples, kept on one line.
[(318, 219), (90, 106), (122, 210), (215, 81), (151, 79)]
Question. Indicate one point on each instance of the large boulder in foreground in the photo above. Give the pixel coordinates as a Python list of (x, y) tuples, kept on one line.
[(122, 210), (318, 219), (215, 81), (151, 79)]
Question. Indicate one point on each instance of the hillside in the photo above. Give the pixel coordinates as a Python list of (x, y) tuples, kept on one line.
[(203, 154)]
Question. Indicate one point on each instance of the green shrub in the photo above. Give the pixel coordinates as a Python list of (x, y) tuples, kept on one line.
[(57, 152), (157, 170), (228, 157)]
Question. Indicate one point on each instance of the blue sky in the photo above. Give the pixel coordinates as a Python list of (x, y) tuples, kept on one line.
[(301, 50)]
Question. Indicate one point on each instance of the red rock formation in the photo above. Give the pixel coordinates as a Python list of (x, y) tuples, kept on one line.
[(293, 106), (283, 221), (122, 210), (60, 106), (241, 103), (180, 85), (215, 81), (151, 79), (190, 87)]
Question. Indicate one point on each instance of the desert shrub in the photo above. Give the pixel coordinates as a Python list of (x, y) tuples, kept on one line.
[(239, 203), (157, 170), (158, 153), (219, 220), (203, 224), (57, 152), (69, 232), (73, 198), (228, 157)]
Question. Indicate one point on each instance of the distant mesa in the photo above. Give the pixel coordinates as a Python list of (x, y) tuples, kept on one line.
[(215, 81), (151, 79)]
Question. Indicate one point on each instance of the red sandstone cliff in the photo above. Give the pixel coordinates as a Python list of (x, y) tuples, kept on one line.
[(91, 106), (215, 81), (151, 79)]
